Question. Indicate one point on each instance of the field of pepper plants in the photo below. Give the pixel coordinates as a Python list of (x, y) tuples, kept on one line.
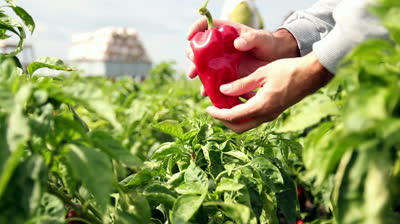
[(77, 149)]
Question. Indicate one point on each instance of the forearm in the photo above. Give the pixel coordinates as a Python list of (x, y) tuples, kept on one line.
[(285, 44), (315, 73)]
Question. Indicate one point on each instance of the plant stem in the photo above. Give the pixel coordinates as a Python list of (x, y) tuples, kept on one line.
[(67, 200), (204, 11), (76, 219), (89, 206)]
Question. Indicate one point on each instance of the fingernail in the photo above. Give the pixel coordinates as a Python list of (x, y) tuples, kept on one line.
[(225, 88), (240, 42)]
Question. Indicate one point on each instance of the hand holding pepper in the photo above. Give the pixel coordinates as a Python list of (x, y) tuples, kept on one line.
[(216, 58), (271, 64), (259, 47), (280, 84)]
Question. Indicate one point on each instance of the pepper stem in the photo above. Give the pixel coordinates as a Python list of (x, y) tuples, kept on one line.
[(204, 11)]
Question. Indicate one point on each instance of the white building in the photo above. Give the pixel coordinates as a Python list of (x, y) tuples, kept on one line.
[(112, 51), (25, 57)]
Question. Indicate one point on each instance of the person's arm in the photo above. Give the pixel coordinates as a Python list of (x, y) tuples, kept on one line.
[(354, 25), (311, 25)]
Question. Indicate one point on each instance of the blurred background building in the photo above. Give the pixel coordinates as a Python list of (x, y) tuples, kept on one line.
[(110, 51), (162, 24), (25, 57)]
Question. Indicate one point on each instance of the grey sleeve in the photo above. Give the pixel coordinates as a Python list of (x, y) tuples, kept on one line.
[(354, 24), (311, 25)]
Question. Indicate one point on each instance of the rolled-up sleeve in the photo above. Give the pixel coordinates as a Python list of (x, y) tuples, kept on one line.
[(354, 25), (311, 25)]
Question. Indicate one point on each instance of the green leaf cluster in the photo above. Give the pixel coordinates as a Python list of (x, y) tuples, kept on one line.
[(10, 25), (351, 139), (123, 151)]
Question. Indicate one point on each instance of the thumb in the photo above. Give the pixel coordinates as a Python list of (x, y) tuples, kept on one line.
[(243, 85)]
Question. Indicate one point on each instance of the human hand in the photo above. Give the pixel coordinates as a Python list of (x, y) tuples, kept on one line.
[(281, 84), (260, 46)]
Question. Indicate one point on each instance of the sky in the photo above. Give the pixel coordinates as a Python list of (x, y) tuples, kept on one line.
[(162, 24)]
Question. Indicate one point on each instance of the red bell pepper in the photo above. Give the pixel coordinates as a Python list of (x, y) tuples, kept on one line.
[(217, 60)]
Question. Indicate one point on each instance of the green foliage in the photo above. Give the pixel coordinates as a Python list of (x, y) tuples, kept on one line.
[(161, 73), (47, 62), (123, 150), (9, 24), (119, 151), (351, 145)]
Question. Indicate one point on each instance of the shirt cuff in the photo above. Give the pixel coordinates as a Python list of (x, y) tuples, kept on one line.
[(305, 32), (333, 48)]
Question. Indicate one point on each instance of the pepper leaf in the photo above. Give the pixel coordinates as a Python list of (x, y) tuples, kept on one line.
[(86, 163), (170, 127), (47, 62), (185, 207), (114, 148), (26, 18)]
